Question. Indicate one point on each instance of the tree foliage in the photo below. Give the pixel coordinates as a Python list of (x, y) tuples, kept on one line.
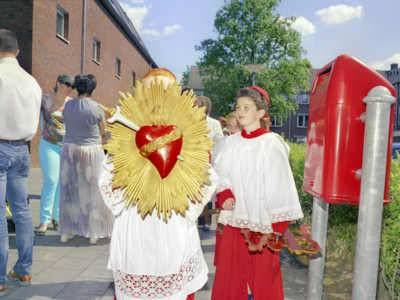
[(249, 32), (185, 76)]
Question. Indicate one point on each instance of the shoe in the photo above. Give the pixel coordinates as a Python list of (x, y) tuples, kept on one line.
[(3, 290), (23, 279), (93, 241), (55, 224), (41, 230), (66, 237), (206, 228)]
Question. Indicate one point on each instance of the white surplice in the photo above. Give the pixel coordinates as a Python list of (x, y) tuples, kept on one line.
[(149, 257), (258, 173)]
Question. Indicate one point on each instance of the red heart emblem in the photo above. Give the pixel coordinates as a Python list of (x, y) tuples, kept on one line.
[(165, 157)]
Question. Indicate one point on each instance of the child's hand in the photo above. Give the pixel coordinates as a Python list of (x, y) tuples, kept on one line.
[(228, 204)]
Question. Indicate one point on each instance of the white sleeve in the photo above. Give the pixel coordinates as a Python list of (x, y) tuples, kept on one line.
[(221, 163), (195, 209), (112, 198), (280, 187)]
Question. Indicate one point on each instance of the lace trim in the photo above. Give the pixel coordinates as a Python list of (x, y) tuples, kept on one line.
[(243, 223), (256, 226), (108, 192), (287, 216), (149, 286)]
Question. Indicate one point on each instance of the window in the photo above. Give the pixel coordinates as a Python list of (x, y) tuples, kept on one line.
[(62, 23), (96, 50), (133, 82), (302, 121), (303, 98), (117, 67), (276, 121)]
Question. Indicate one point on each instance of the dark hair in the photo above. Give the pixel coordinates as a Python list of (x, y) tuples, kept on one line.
[(259, 101), (64, 79), (85, 84), (204, 101), (8, 41)]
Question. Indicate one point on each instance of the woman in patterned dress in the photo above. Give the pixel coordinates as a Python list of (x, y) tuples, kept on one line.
[(82, 210)]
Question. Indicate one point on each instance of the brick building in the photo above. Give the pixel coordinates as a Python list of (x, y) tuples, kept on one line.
[(73, 37)]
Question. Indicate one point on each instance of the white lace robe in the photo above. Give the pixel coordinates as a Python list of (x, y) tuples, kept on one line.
[(258, 173), (151, 258)]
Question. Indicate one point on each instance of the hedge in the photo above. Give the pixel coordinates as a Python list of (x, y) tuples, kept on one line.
[(343, 218)]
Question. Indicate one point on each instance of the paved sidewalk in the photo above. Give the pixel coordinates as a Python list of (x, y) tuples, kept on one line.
[(77, 270)]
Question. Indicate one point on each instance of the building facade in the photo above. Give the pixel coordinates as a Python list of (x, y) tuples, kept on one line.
[(77, 37), (393, 75)]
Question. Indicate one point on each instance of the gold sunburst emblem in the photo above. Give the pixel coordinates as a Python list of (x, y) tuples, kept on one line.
[(134, 171)]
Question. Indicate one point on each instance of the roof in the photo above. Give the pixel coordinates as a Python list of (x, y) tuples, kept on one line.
[(121, 18), (194, 79)]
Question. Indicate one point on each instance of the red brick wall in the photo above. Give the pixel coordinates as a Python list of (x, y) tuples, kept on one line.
[(16, 15), (52, 56)]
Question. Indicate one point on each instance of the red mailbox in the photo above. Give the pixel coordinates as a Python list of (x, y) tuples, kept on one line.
[(335, 136)]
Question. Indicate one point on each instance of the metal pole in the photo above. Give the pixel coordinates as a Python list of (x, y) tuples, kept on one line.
[(318, 234), (376, 134), (254, 78)]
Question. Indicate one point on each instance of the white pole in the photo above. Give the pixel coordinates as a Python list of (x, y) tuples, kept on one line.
[(316, 265), (378, 102)]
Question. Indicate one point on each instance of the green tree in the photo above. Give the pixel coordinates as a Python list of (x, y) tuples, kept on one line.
[(185, 76), (249, 32)]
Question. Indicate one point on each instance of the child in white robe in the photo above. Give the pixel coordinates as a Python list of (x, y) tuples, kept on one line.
[(150, 258), (258, 196)]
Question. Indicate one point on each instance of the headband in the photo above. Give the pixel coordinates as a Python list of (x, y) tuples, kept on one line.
[(261, 91)]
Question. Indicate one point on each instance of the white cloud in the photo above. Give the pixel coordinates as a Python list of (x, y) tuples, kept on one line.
[(385, 65), (150, 32), (339, 14), (137, 14), (303, 26), (171, 29)]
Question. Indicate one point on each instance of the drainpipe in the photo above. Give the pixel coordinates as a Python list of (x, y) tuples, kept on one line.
[(83, 38)]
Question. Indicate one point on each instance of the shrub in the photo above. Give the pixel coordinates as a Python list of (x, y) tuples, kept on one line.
[(390, 246)]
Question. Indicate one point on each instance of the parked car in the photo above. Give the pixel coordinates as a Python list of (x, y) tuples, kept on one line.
[(396, 151)]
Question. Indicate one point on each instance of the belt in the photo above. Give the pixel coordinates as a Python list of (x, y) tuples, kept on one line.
[(12, 141)]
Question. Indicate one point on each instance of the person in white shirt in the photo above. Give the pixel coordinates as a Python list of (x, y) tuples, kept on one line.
[(20, 99), (215, 134)]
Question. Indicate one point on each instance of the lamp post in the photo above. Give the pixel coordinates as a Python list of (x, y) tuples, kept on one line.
[(253, 69)]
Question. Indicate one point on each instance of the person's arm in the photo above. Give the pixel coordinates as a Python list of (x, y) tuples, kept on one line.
[(102, 128), (221, 163)]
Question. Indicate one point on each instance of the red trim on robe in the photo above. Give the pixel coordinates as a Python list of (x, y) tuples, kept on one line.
[(255, 133), (190, 297), (223, 196), (280, 227)]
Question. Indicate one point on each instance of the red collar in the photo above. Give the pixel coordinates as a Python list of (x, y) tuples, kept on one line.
[(255, 133)]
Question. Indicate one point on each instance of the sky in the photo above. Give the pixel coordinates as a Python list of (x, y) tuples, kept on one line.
[(365, 29)]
